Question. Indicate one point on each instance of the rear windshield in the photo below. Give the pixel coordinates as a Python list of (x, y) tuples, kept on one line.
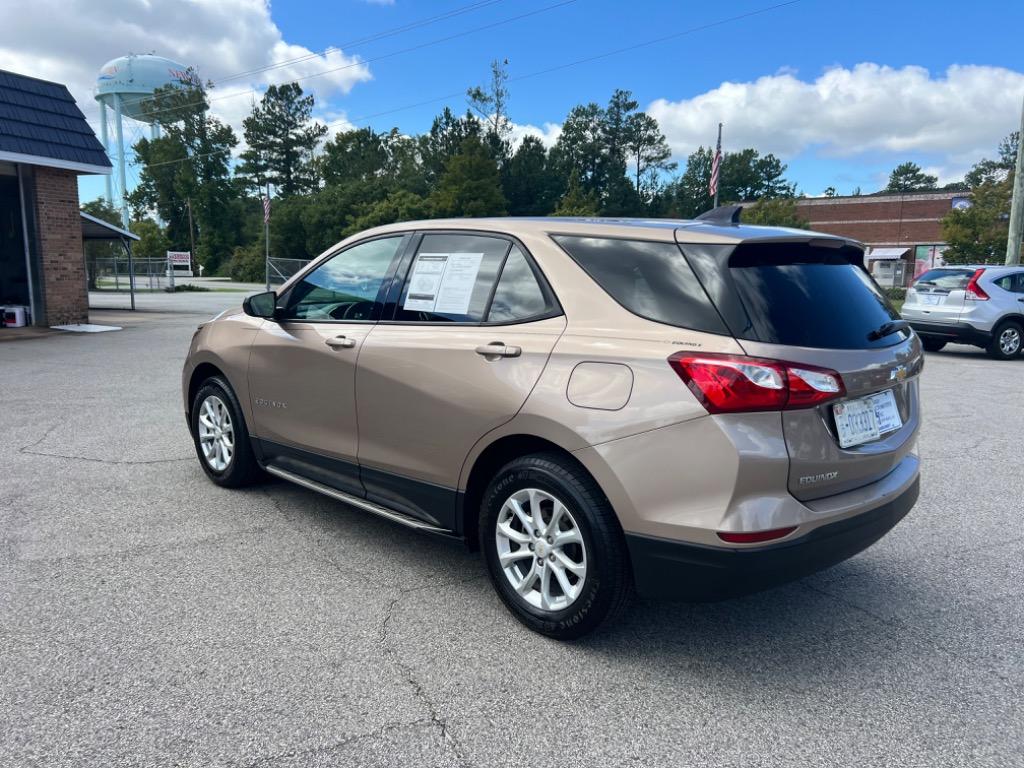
[(801, 295), (945, 279), (649, 279)]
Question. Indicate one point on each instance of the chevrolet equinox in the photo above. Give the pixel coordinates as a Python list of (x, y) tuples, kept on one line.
[(684, 409)]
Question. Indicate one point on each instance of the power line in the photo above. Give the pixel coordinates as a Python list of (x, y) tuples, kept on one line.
[(368, 39), (363, 62), (585, 60), (556, 68)]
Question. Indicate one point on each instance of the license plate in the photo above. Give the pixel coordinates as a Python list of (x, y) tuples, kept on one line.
[(866, 418), (926, 299)]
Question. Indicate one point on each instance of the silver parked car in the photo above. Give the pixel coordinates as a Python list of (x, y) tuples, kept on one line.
[(979, 305)]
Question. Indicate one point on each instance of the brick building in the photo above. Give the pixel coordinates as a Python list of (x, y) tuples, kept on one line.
[(903, 231), (45, 143)]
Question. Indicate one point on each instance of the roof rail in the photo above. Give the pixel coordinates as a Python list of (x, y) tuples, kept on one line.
[(723, 214)]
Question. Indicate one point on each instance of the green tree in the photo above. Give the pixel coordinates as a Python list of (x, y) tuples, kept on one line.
[(744, 176), (775, 212), (359, 155), (103, 210), (995, 170), (490, 102), (908, 177), (577, 201), (470, 184), (189, 166), (831, 192), (747, 175), (281, 138), (530, 185), (400, 205), (648, 152), (444, 141), (160, 186), (152, 243), (98, 251), (978, 234), (248, 264), (616, 128), (580, 148), (603, 145)]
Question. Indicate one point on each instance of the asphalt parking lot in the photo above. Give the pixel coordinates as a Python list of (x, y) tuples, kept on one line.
[(148, 617)]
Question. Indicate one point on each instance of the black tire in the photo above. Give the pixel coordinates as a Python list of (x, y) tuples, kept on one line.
[(997, 349), (607, 589), (242, 469), (931, 344)]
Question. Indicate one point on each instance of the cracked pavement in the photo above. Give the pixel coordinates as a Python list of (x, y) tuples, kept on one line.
[(149, 618)]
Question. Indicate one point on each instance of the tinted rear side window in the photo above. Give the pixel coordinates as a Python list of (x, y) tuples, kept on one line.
[(805, 296), (649, 279)]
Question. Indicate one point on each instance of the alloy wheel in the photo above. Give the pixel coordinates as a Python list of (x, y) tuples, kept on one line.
[(540, 549), (1009, 341), (216, 433)]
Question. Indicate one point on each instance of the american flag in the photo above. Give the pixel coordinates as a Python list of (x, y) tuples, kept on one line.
[(716, 165), (266, 209)]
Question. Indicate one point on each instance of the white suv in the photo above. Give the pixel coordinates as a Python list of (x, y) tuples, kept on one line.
[(979, 305)]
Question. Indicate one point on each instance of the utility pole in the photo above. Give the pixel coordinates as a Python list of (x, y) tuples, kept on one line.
[(266, 236), (1013, 242), (191, 234)]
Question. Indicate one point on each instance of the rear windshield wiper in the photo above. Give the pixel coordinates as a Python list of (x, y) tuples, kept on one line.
[(887, 329)]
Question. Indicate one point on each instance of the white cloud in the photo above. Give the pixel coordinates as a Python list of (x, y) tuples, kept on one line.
[(69, 40), (548, 133), (957, 117)]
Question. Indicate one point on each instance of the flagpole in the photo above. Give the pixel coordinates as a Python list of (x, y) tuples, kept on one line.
[(719, 155), (266, 237)]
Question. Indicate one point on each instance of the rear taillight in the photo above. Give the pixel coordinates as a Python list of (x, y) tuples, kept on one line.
[(974, 291), (737, 384)]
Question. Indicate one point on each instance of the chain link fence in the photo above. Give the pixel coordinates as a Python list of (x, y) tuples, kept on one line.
[(281, 270), (114, 275)]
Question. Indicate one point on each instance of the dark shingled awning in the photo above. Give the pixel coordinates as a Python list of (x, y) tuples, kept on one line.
[(40, 124)]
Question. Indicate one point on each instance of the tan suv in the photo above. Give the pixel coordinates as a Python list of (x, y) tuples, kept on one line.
[(691, 409)]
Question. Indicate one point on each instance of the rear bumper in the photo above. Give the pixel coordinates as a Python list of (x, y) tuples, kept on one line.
[(961, 333), (674, 570)]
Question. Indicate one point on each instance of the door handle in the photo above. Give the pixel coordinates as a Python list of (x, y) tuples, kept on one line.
[(497, 349), (340, 342)]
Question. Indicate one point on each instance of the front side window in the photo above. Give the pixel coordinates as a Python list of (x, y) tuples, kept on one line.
[(451, 278), (347, 286), (519, 296)]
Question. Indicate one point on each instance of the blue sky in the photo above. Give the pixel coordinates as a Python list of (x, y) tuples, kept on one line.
[(841, 90)]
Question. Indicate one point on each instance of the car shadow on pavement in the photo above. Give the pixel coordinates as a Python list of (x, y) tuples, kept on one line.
[(789, 633)]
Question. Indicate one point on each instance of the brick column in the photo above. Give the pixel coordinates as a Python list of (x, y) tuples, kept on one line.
[(62, 257)]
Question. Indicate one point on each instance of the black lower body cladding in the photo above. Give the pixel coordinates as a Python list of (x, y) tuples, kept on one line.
[(674, 570)]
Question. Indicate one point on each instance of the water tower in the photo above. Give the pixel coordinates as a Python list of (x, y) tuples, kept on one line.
[(124, 85)]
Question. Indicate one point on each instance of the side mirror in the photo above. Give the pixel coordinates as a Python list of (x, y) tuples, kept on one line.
[(261, 305)]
